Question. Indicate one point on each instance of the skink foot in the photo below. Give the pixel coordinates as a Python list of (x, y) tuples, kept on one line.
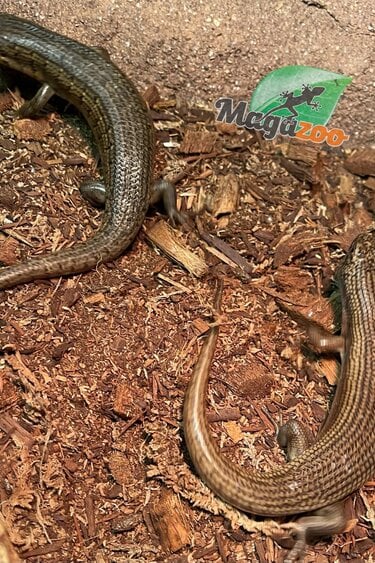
[(326, 521), (162, 190), (294, 437)]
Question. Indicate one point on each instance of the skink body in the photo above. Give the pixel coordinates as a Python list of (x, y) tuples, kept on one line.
[(119, 120), (343, 457)]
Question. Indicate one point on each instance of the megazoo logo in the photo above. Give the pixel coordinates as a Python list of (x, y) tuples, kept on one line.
[(300, 110)]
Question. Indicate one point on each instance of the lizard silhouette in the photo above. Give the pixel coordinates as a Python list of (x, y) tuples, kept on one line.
[(291, 101)]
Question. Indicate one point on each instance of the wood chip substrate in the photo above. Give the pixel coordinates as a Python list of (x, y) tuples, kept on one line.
[(94, 367)]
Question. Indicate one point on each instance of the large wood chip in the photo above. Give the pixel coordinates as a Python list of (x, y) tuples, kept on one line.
[(9, 252), (19, 434), (7, 552), (126, 403), (370, 183), (346, 190), (151, 95), (199, 142), (292, 277), (169, 522), (35, 129), (362, 162), (225, 199), (328, 368), (6, 101), (293, 245), (165, 238), (300, 152)]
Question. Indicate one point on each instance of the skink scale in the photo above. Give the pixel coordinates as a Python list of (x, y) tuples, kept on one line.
[(123, 131)]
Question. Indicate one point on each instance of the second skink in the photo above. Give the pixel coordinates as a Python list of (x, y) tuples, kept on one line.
[(343, 457)]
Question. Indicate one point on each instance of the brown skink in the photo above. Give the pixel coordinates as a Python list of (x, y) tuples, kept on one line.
[(123, 132), (342, 458)]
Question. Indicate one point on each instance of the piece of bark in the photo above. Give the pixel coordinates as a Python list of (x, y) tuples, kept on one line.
[(224, 415), (198, 142), (305, 173), (169, 522), (362, 162), (151, 95), (346, 189), (126, 403), (328, 368), (224, 251), (126, 523), (292, 245), (165, 238), (18, 433), (34, 129), (8, 252), (226, 128), (90, 515), (370, 183), (122, 467), (301, 152), (7, 552), (46, 549), (225, 199)]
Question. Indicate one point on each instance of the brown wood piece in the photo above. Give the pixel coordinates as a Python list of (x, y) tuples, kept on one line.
[(7, 551), (169, 522), (362, 162), (20, 436), (225, 199), (197, 142), (165, 238)]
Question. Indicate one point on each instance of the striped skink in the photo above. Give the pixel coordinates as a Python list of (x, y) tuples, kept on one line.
[(342, 458), (122, 128)]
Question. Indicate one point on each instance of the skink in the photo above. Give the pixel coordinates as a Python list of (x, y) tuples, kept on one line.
[(343, 457), (123, 131)]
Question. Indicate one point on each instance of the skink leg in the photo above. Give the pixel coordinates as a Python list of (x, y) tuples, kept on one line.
[(93, 190), (165, 191), (162, 190), (319, 336), (36, 104), (295, 438), (323, 340)]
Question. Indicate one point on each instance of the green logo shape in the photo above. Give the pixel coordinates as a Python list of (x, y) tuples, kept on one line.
[(304, 93)]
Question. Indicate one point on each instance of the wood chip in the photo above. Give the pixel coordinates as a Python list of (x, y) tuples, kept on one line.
[(125, 403), (168, 520), (293, 245), (90, 515), (328, 368), (9, 251), (225, 199), (199, 142), (165, 238), (362, 162), (226, 128), (370, 183), (18, 433), (303, 172), (233, 430), (122, 468), (151, 95), (226, 253), (7, 552), (300, 152), (224, 415), (36, 129)]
